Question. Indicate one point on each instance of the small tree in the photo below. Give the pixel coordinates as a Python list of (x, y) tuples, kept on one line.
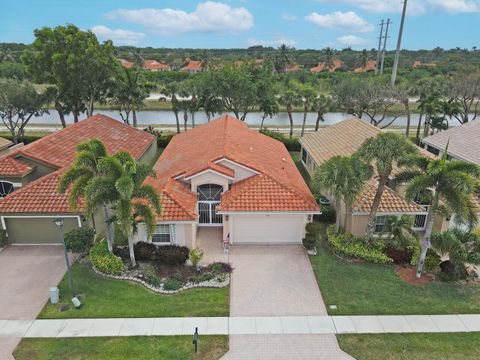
[(343, 177), (399, 232), (19, 102)]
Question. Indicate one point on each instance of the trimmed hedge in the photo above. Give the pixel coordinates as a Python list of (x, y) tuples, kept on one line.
[(3, 238), (292, 144), (104, 261), (347, 244), (163, 139), (79, 240), (27, 139), (170, 254)]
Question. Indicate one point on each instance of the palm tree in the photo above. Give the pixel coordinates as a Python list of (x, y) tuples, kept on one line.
[(321, 105), (328, 55), (307, 95), (84, 170), (289, 98), (283, 57), (343, 177), (399, 232), (172, 89), (384, 151), (450, 185), (363, 60), (430, 107), (122, 179)]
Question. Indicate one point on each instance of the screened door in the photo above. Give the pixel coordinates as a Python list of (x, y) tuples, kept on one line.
[(208, 198)]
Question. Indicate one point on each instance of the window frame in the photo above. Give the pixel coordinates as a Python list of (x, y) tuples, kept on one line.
[(9, 183), (170, 233), (302, 152), (383, 224)]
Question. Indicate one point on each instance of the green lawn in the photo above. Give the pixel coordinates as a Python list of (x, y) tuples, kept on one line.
[(104, 298), (142, 347), (453, 346), (371, 289)]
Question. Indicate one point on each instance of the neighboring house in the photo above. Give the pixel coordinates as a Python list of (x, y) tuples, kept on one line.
[(7, 146), (154, 65), (125, 63), (344, 139), (192, 66), (337, 64), (29, 177), (292, 68), (224, 175), (370, 66), (418, 63), (463, 144)]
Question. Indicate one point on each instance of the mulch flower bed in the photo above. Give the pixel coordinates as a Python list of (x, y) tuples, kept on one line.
[(408, 273)]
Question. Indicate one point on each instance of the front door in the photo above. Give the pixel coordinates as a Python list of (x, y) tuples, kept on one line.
[(208, 199)]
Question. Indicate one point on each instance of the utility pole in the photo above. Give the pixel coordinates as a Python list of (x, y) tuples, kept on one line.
[(379, 45), (399, 43), (384, 47)]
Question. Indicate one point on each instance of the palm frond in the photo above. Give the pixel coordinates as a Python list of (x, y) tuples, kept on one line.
[(78, 190), (418, 186), (143, 213), (125, 186), (151, 194), (70, 176)]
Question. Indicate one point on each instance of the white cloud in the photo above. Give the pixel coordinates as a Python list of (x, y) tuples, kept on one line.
[(118, 36), (288, 17), (209, 17), (276, 41), (347, 21), (414, 7), (351, 40)]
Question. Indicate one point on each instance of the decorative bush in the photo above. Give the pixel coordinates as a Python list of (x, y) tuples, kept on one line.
[(104, 261), (195, 255), (291, 144), (310, 241), (172, 284), (79, 240), (399, 256), (313, 228), (328, 214), (432, 259), (122, 252), (3, 238), (201, 278), (347, 244), (221, 267), (172, 254), (151, 277), (145, 251), (452, 271)]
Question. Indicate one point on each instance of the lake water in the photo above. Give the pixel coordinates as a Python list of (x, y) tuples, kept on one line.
[(165, 117)]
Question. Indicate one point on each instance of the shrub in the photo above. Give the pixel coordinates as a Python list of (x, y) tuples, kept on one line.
[(221, 267), (162, 139), (104, 261), (201, 278), (432, 259), (122, 252), (310, 241), (313, 228), (399, 256), (172, 254), (172, 284), (452, 271), (151, 276), (145, 251), (79, 240), (347, 244), (328, 214), (292, 144), (3, 238), (195, 255)]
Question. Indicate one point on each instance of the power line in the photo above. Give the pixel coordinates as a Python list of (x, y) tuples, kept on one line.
[(384, 47), (379, 46), (399, 43)]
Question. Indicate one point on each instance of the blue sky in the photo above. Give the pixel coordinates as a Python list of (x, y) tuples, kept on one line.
[(241, 23)]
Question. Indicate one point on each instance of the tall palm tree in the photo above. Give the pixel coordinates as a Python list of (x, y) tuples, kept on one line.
[(122, 179), (343, 177), (450, 185), (283, 57), (84, 170), (171, 90), (290, 98), (321, 105), (307, 95), (329, 55), (399, 232), (384, 151)]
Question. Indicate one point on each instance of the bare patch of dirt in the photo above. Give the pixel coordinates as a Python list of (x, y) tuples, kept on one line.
[(407, 274)]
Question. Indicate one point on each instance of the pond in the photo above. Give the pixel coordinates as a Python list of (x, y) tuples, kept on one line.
[(166, 117)]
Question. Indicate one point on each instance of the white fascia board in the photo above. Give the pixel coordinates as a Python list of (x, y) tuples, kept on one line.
[(236, 164), (209, 170), (269, 212), (390, 213)]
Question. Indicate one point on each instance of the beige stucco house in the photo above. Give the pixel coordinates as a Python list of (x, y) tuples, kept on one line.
[(224, 175), (29, 177), (344, 139)]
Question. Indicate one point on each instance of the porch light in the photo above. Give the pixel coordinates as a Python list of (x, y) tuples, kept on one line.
[(58, 221)]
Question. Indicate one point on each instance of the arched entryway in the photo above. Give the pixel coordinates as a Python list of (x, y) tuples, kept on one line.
[(208, 198)]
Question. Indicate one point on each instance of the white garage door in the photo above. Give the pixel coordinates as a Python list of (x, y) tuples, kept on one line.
[(267, 229)]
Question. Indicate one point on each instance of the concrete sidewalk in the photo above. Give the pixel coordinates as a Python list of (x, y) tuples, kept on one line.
[(276, 325)]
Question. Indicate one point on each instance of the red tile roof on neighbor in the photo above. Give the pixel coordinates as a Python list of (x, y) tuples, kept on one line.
[(370, 66), (13, 167), (193, 66), (58, 150), (155, 65), (125, 63), (40, 196), (337, 64), (278, 187)]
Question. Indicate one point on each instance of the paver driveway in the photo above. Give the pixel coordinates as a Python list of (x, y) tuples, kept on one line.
[(277, 281), (26, 274)]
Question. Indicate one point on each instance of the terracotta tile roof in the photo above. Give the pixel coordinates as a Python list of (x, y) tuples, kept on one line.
[(418, 63), (343, 138), (212, 166), (292, 68), (155, 65), (40, 196), (463, 141), (125, 63), (230, 138), (193, 66), (391, 201), (371, 65), (4, 143), (58, 149), (337, 64), (263, 193), (13, 167)]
